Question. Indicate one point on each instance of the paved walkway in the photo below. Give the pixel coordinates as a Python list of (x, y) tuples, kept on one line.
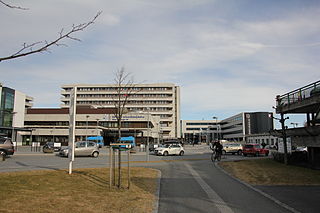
[(300, 198)]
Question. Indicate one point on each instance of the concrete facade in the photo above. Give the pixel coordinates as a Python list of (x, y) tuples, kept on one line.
[(13, 106), (161, 100), (242, 125), (53, 125), (239, 127), (199, 130)]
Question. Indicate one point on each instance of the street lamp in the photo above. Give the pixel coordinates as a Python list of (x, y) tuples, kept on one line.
[(87, 116), (97, 129), (148, 130), (13, 113), (52, 133), (216, 118)]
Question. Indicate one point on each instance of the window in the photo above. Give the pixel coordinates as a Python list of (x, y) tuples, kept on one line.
[(82, 144), (91, 144)]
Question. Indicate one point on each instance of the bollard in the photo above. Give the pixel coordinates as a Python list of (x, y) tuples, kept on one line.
[(3, 156)]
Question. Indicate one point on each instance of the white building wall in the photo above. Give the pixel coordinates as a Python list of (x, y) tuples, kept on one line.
[(162, 98), (19, 109), (90, 130)]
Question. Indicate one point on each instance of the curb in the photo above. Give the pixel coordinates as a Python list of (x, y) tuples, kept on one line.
[(258, 190), (157, 194)]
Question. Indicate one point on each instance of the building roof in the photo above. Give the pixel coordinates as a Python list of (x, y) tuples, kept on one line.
[(80, 110)]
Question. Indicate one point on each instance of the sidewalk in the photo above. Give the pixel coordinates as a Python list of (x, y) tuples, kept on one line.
[(28, 150), (202, 148), (296, 199), (301, 198)]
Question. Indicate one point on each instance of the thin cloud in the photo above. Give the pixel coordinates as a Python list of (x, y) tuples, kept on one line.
[(226, 57)]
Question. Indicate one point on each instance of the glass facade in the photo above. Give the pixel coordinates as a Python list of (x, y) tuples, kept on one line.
[(6, 107)]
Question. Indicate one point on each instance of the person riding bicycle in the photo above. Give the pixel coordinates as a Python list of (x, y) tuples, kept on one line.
[(217, 146)]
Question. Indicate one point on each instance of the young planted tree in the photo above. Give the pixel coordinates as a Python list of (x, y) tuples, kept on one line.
[(125, 88), (44, 46)]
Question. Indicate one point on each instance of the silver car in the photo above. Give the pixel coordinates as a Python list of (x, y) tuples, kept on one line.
[(82, 148)]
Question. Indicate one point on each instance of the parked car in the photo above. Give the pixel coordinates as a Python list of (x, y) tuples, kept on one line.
[(152, 147), (47, 148), (254, 149), (6, 146), (232, 148), (50, 148), (82, 148), (169, 149), (303, 149)]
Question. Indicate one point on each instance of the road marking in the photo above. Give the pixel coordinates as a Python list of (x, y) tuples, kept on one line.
[(213, 196)]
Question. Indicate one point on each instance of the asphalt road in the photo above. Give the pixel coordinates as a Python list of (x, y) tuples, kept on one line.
[(199, 186), (190, 183)]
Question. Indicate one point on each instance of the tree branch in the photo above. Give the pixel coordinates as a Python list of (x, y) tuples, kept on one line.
[(27, 49), (13, 7)]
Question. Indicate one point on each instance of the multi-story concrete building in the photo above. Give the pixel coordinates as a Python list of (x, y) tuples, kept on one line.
[(199, 130), (161, 100), (13, 105), (52, 124), (242, 125), (250, 127)]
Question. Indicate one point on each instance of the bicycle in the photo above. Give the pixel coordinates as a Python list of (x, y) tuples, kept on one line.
[(215, 156)]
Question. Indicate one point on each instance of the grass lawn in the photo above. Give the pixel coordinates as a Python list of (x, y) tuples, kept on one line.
[(270, 172), (86, 190)]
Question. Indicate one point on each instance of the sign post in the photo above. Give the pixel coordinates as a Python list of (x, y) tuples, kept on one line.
[(72, 126)]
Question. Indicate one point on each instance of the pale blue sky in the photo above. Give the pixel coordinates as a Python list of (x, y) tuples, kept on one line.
[(227, 56)]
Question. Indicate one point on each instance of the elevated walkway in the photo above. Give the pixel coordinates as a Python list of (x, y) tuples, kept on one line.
[(303, 100)]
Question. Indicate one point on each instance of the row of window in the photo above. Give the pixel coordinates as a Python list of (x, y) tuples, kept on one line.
[(272, 141), (84, 123), (116, 95), (200, 124), (123, 89), (198, 129), (153, 109), (239, 118)]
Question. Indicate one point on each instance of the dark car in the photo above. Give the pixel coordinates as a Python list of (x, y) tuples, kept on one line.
[(49, 148), (254, 149), (152, 147), (6, 146)]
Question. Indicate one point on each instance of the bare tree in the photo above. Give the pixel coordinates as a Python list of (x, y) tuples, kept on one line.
[(12, 6), (43, 46), (125, 88)]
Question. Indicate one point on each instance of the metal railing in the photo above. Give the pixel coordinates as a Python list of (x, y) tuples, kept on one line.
[(297, 95)]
